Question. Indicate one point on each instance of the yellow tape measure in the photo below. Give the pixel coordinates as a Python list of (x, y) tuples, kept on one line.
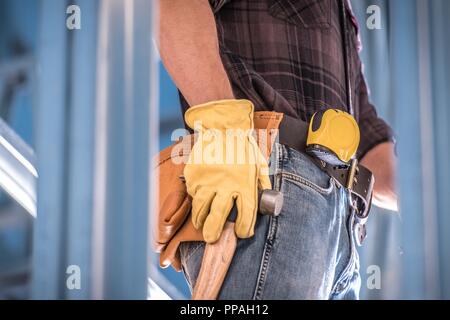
[(333, 136)]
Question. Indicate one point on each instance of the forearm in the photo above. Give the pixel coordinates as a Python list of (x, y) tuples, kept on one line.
[(381, 160), (189, 49)]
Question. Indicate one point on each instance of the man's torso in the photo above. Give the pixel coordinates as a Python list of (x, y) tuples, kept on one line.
[(287, 55)]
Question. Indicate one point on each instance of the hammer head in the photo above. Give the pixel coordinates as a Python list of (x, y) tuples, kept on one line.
[(270, 202)]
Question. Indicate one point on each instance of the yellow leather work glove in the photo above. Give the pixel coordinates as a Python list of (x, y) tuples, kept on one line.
[(225, 165)]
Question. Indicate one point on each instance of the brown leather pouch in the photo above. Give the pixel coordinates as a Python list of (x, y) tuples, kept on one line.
[(173, 222)]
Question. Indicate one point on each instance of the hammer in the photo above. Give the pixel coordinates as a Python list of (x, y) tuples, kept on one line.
[(217, 256)]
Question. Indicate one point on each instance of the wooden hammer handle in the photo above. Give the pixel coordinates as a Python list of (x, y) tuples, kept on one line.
[(216, 260)]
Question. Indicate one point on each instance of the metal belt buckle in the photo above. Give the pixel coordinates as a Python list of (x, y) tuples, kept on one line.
[(359, 227), (352, 173), (359, 223), (360, 233)]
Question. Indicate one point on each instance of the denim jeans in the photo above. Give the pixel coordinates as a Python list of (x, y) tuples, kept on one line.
[(307, 252)]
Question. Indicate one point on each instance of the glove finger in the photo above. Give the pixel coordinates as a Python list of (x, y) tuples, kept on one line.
[(220, 209), (263, 179), (262, 166), (201, 204), (245, 222)]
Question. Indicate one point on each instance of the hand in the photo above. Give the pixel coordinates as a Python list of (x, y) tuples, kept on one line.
[(225, 165), (381, 160)]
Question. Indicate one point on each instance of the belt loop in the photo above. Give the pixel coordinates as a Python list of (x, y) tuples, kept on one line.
[(275, 160), (280, 157)]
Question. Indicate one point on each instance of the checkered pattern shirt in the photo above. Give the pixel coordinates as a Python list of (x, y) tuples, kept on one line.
[(287, 56)]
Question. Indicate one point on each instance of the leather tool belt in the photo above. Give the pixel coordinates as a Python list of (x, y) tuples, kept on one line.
[(173, 224)]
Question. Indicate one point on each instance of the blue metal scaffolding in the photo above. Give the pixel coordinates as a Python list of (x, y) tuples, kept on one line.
[(96, 94)]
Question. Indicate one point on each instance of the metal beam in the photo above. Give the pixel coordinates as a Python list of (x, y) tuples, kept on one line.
[(406, 102), (124, 127), (93, 144), (17, 169), (49, 236)]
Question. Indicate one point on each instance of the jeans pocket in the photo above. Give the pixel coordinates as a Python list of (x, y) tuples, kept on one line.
[(189, 249), (191, 254), (304, 13), (303, 182)]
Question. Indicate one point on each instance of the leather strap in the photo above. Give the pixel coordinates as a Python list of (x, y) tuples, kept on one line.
[(356, 178), (293, 133)]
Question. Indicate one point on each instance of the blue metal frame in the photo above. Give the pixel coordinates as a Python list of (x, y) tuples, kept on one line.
[(48, 244), (80, 146), (18, 174), (128, 91), (96, 130)]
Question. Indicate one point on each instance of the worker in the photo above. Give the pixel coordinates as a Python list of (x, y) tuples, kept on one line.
[(231, 58)]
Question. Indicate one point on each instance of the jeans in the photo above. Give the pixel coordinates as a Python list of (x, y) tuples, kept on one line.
[(307, 252)]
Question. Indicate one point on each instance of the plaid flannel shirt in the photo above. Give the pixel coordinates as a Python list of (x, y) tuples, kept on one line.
[(287, 56)]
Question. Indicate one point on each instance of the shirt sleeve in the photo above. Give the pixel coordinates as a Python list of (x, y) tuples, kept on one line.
[(216, 5), (374, 130)]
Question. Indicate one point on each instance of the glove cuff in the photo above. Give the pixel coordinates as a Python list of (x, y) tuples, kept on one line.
[(221, 115)]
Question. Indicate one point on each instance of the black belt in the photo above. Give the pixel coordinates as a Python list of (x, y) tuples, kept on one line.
[(356, 178)]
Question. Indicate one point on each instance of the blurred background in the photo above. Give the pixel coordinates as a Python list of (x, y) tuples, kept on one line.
[(82, 112)]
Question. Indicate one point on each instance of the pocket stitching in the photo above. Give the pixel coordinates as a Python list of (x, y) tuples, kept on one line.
[(278, 10), (305, 182)]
